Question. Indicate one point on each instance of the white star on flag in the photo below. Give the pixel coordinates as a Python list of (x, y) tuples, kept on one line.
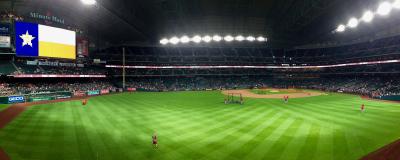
[(27, 38)]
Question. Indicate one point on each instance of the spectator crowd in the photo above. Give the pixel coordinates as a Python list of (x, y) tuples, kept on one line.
[(364, 86), (372, 87), (7, 89), (22, 68)]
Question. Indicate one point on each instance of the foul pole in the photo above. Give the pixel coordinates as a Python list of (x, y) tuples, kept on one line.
[(123, 67)]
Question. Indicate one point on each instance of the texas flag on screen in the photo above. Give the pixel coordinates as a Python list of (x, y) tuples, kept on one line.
[(35, 40)]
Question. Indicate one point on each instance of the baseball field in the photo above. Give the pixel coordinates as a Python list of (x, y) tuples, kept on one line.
[(198, 125), (3, 106)]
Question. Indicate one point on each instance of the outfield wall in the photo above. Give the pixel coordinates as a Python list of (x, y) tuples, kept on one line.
[(54, 95), (390, 98), (35, 97)]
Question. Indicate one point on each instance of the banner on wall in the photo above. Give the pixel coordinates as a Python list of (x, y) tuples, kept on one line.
[(99, 61), (131, 89), (16, 99), (82, 47), (41, 98), (53, 63), (62, 97), (104, 91), (93, 93), (4, 28), (56, 76), (79, 93), (47, 17), (5, 42)]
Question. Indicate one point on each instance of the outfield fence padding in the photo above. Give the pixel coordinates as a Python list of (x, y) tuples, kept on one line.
[(390, 98)]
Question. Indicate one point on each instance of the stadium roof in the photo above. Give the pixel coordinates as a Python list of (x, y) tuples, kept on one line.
[(284, 22)]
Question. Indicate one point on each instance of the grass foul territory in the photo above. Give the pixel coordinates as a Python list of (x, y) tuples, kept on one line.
[(198, 125)]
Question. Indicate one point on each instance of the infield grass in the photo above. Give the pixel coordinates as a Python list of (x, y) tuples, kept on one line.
[(197, 125)]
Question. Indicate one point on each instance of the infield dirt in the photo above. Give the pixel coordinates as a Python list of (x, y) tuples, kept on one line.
[(292, 93)]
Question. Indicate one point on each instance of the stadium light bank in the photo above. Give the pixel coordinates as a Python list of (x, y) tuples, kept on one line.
[(174, 40), (88, 2), (382, 10)]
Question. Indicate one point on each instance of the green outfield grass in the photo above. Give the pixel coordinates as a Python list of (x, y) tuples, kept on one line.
[(3, 106), (197, 125)]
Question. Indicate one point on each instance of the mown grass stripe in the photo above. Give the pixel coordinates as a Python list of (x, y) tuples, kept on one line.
[(311, 144), (249, 145), (242, 133), (340, 147), (217, 131), (279, 146), (324, 151), (357, 150), (293, 149), (267, 143), (335, 118)]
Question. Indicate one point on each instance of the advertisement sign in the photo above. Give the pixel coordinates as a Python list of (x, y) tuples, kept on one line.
[(390, 98), (62, 97), (3, 100), (16, 99), (56, 76), (82, 47), (44, 98), (96, 61), (79, 93), (131, 89), (92, 93), (104, 91), (5, 42), (99, 61), (46, 17), (53, 63), (4, 28), (33, 63)]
